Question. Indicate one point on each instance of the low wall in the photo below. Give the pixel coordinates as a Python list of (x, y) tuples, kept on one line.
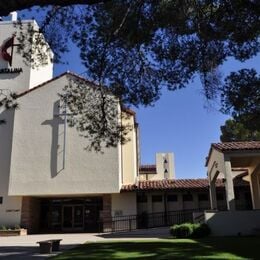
[(233, 223)]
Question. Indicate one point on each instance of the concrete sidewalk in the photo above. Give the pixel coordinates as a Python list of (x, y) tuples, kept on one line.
[(26, 247)]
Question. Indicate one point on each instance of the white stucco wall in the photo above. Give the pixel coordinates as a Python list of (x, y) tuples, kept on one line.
[(10, 209), (18, 82), (233, 223), (215, 163), (124, 204), (37, 154), (129, 152)]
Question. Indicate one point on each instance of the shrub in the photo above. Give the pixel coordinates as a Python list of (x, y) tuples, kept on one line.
[(201, 230), (182, 230), (190, 230)]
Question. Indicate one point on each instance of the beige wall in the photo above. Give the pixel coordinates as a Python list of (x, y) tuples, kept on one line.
[(221, 164), (124, 204), (233, 223), (30, 76), (180, 204), (129, 152), (215, 164), (37, 156)]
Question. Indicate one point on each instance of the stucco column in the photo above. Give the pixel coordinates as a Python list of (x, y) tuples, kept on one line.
[(230, 196), (106, 212), (212, 194), (255, 189), (30, 215)]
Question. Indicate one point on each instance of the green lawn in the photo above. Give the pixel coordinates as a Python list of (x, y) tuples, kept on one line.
[(210, 248)]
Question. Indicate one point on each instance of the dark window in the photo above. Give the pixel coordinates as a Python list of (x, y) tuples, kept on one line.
[(220, 196), (187, 197), (237, 195), (157, 198), (203, 197), (1, 200), (141, 198), (172, 197)]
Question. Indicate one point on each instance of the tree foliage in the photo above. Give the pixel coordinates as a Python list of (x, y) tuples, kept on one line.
[(240, 97), (94, 112), (235, 131), (137, 48), (7, 101)]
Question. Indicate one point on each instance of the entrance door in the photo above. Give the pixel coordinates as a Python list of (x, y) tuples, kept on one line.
[(73, 218), (91, 218)]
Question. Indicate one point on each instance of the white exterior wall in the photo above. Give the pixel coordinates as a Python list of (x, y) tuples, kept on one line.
[(216, 164), (124, 204), (10, 209), (233, 223), (129, 153), (37, 154), (30, 77)]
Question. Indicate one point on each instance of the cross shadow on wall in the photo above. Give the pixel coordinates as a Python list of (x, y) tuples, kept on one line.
[(57, 144)]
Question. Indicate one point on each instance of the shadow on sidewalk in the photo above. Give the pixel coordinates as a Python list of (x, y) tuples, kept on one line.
[(27, 252), (140, 233)]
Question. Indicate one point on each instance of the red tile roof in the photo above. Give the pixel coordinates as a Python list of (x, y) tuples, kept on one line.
[(147, 169), (234, 146), (179, 184)]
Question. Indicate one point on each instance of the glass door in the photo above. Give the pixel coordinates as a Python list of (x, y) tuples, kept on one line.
[(78, 220), (73, 217), (67, 217)]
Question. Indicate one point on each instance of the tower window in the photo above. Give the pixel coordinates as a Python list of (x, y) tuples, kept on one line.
[(1, 200)]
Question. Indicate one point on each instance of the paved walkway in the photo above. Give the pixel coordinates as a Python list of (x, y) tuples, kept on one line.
[(25, 247)]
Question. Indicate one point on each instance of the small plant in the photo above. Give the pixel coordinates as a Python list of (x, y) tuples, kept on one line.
[(190, 230), (3, 228), (17, 227)]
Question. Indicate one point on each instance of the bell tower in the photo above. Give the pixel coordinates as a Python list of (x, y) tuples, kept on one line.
[(25, 56)]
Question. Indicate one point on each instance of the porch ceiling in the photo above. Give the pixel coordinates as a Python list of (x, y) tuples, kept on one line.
[(244, 162)]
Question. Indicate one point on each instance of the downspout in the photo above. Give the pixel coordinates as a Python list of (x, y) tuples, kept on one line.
[(165, 209)]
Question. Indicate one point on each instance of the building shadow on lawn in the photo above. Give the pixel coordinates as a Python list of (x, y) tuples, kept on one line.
[(157, 249), (247, 247), (28, 252)]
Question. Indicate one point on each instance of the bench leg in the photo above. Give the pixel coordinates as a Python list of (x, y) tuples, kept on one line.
[(46, 248), (56, 246)]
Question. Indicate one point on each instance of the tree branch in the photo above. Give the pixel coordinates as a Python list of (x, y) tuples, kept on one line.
[(14, 5)]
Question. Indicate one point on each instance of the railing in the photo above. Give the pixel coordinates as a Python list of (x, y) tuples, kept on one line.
[(132, 222)]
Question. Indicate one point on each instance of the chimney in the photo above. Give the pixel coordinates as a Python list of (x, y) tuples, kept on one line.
[(13, 16)]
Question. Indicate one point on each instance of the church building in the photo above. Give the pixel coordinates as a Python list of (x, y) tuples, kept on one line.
[(40, 185), (48, 181)]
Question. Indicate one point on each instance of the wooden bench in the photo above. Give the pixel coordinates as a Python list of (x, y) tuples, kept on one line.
[(47, 246)]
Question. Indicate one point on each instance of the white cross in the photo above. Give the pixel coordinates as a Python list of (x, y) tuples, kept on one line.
[(64, 114)]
